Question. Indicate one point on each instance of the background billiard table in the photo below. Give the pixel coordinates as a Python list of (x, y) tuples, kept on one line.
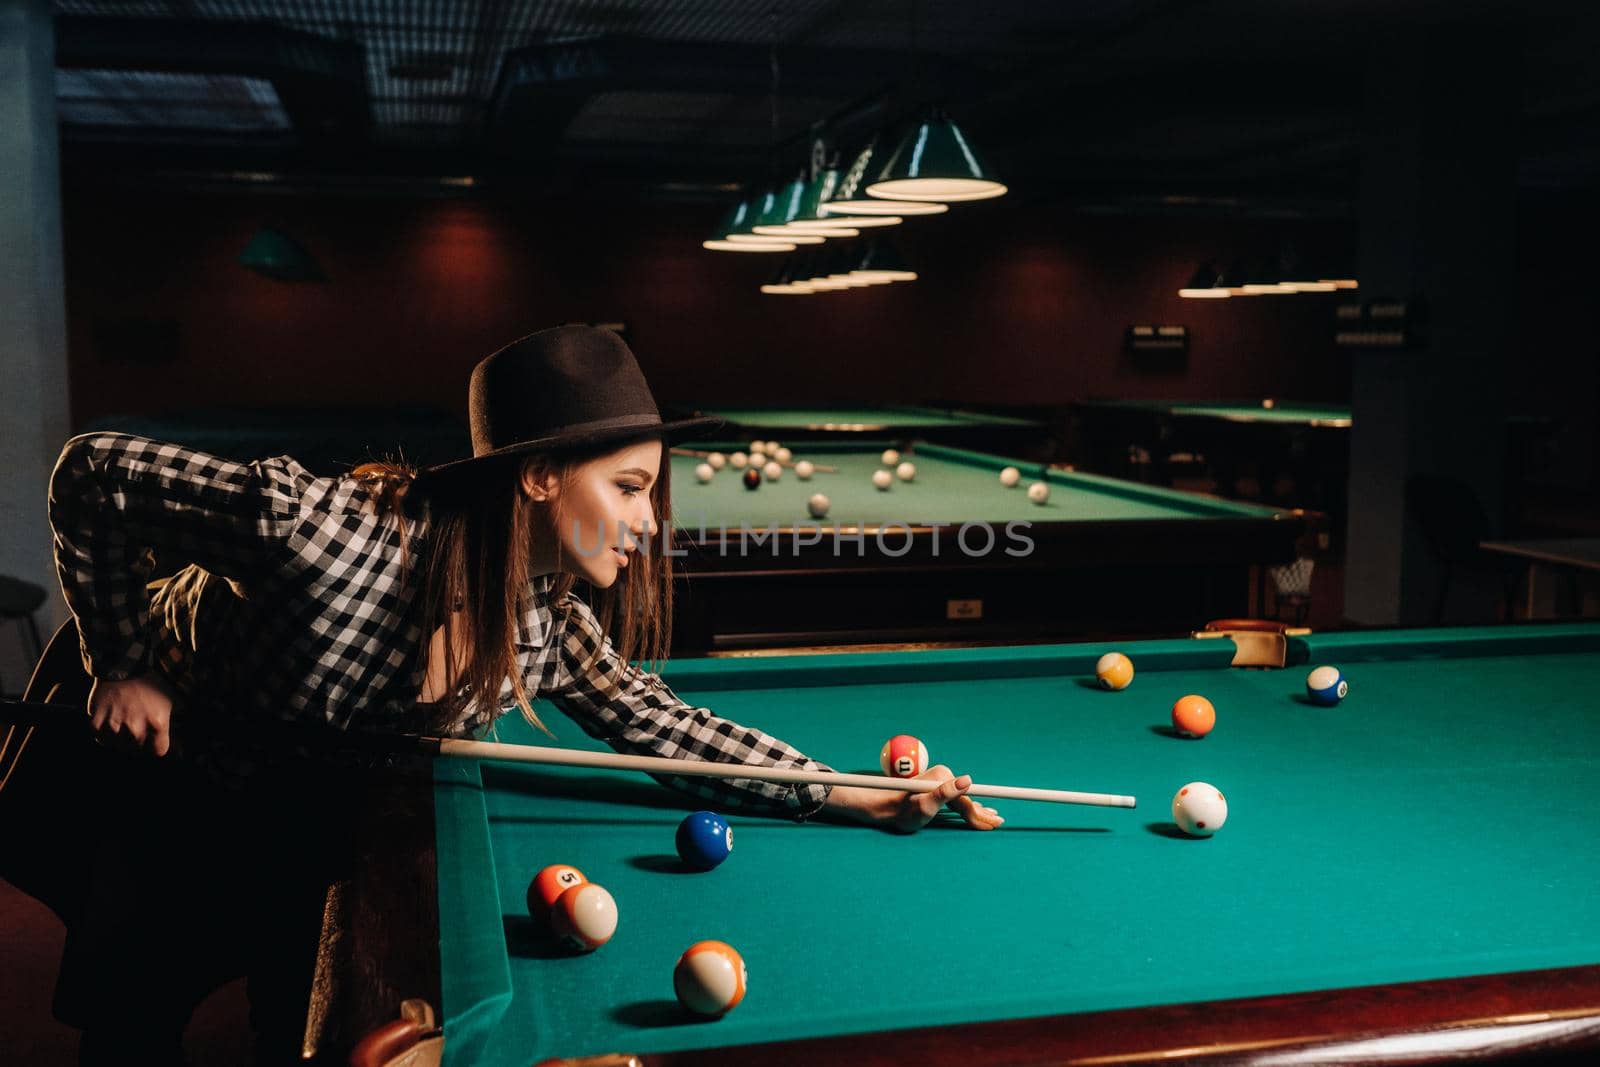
[(1009, 434), (1107, 556)]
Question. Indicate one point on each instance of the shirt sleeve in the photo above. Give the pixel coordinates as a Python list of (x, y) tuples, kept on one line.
[(119, 502), (635, 713)]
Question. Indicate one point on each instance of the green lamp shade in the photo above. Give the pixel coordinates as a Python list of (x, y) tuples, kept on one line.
[(1264, 279), (786, 217), (850, 196), (275, 254), (1207, 283), (934, 162), (882, 263), (782, 209), (732, 234), (772, 245), (785, 283), (818, 193)]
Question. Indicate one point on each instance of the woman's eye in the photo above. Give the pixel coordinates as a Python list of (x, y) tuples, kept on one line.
[(630, 490)]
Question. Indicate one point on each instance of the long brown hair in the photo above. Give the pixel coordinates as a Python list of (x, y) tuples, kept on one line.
[(481, 528)]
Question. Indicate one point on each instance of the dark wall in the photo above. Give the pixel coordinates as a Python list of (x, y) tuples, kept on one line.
[(1016, 306), (1556, 372)]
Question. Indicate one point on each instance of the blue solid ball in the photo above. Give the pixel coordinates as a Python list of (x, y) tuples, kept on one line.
[(1326, 686), (704, 840)]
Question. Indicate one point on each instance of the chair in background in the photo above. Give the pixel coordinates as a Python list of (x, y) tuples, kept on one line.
[(1291, 590), (1454, 523), (18, 602)]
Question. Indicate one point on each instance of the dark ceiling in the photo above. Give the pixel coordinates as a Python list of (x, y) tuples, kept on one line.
[(1234, 104)]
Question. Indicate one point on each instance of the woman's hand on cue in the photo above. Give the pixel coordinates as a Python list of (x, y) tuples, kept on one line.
[(135, 713), (910, 812)]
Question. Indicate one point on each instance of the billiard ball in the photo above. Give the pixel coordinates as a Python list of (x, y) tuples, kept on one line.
[(818, 505), (890, 457), (804, 470), (738, 460), (704, 840), (770, 447), (1114, 670), (758, 446), (1326, 686), (782, 455), (704, 473), (752, 479), (1038, 492), (549, 884), (882, 479), (717, 461), (1193, 716), (584, 917), (710, 978), (1010, 476), (906, 471), (758, 459), (903, 756), (1199, 809), (773, 470)]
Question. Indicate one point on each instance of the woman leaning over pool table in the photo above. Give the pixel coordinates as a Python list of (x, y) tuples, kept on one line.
[(387, 599)]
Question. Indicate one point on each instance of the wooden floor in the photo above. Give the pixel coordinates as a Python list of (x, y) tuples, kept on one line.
[(30, 941)]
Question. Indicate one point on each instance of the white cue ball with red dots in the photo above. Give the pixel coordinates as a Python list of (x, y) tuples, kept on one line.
[(906, 471), (704, 473), (1010, 476), (804, 470), (584, 917), (1038, 492), (1199, 809), (890, 457), (710, 978), (882, 479)]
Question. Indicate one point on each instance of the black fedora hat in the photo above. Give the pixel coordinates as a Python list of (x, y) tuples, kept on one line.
[(559, 390)]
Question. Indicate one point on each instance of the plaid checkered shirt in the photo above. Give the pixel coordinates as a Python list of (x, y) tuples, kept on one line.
[(299, 601)]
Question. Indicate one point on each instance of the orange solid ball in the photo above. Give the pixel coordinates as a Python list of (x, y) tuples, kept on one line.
[(1193, 716)]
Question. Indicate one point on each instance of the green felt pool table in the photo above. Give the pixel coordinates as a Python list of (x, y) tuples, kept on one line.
[(954, 554), (974, 429), (1297, 453), (1411, 873)]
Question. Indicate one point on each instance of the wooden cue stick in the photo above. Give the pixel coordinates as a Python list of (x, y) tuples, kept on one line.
[(66, 717), (506, 753), (820, 468)]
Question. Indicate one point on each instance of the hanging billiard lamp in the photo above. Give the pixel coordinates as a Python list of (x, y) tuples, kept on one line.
[(788, 209), (880, 263), (849, 196), (732, 233), (819, 191), (935, 162), (1208, 282), (785, 283), (276, 255)]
